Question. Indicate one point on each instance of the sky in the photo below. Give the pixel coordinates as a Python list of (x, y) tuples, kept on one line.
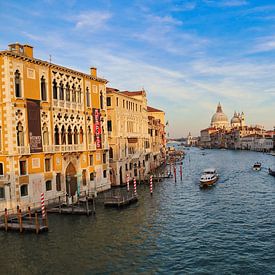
[(187, 55)]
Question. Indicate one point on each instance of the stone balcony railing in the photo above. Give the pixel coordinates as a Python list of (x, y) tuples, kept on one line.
[(23, 150), (67, 104), (63, 148), (91, 147)]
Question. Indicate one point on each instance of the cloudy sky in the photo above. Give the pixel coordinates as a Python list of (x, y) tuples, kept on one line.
[(187, 55)]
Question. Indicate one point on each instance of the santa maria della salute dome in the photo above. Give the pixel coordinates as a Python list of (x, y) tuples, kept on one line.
[(220, 121)]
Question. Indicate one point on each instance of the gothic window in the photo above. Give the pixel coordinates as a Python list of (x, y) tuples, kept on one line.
[(79, 94), (54, 89), (89, 135), (73, 94), (75, 135), (67, 92), (70, 135), (61, 91), (109, 125), (20, 134), (56, 135), (101, 100), (17, 80), (45, 135), (43, 88), (109, 102), (88, 95), (81, 136), (58, 182), (63, 135)]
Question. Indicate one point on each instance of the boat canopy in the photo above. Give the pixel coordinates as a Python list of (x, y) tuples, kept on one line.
[(209, 171)]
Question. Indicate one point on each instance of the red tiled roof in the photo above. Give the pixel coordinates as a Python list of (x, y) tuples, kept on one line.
[(109, 89), (151, 109), (132, 93)]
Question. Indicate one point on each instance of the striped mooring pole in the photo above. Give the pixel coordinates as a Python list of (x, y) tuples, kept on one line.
[(181, 172), (135, 187), (151, 185), (127, 181), (43, 205)]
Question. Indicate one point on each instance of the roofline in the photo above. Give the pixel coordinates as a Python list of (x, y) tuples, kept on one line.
[(51, 65)]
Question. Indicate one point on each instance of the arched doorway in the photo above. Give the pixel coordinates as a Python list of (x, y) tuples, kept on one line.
[(71, 180)]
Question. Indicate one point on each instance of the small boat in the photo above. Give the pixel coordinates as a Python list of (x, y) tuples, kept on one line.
[(208, 178), (257, 166), (271, 172)]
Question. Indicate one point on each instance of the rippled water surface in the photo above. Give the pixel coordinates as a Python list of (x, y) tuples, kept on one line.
[(228, 229)]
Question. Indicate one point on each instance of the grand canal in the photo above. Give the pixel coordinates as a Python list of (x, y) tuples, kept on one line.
[(228, 229)]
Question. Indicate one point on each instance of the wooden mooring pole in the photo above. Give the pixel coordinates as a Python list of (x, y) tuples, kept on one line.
[(20, 221), (6, 219), (87, 206), (36, 223), (29, 212)]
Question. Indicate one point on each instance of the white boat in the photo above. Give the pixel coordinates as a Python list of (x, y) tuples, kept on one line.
[(257, 166), (209, 177)]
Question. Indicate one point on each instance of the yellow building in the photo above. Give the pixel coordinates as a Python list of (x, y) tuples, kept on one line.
[(131, 151), (53, 135)]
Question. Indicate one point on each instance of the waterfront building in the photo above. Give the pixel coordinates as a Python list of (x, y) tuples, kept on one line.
[(53, 129), (136, 135)]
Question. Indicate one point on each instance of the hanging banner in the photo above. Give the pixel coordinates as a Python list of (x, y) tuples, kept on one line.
[(97, 127), (34, 125)]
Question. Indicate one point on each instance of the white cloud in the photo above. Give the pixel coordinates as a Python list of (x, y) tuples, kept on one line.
[(226, 3), (91, 20)]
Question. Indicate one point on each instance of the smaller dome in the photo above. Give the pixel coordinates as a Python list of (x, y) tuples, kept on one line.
[(235, 119)]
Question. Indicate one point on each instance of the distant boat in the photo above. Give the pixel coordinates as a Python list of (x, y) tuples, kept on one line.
[(257, 166), (271, 172), (208, 178)]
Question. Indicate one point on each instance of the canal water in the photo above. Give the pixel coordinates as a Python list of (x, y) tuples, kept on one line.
[(227, 229)]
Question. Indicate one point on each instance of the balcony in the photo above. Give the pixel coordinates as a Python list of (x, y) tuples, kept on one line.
[(105, 146), (23, 150), (4, 177), (64, 148), (91, 147)]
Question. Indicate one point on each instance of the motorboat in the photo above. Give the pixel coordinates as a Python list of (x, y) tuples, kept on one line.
[(271, 172), (257, 166), (209, 177)]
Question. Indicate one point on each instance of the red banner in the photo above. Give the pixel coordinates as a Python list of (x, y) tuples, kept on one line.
[(97, 127)]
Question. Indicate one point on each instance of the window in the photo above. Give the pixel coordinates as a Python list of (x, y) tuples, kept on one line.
[(48, 185), (1, 169), (92, 177), (58, 182), (2, 193), (24, 190), (126, 167), (109, 125), (61, 91), (123, 103), (101, 100), (43, 89), (111, 154), (104, 158), (47, 165), (54, 89), (17, 80), (88, 96), (131, 166), (109, 102), (104, 174), (91, 160), (84, 178), (68, 96), (56, 135), (143, 162), (117, 101), (73, 94), (70, 135), (45, 135), (23, 167), (20, 134)]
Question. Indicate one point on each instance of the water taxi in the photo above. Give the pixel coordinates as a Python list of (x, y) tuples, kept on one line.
[(271, 172), (257, 166), (209, 177)]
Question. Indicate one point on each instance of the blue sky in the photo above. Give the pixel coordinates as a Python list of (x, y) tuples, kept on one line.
[(187, 55)]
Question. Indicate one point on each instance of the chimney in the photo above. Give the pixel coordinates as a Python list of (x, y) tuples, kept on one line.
[(28, 50), (93, 71)]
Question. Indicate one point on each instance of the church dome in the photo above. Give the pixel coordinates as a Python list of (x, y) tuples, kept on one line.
[(219, 119), (235, 119)]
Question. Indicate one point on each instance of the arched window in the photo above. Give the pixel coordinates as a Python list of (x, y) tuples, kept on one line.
[(61, 91), (43, 88), (63, 135), (111, 153), (88, 95), (79, 94), (20, 134), (81, 136), (70, 135), (75, 135), (73, 94), (54, 89), (68, 92), (45, 135), (17, 80), (101, 100), (90, 136), (56, 135)]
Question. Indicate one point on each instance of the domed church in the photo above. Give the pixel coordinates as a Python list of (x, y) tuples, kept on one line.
[(219, 119)]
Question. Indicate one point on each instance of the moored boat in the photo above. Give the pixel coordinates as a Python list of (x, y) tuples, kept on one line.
[(257, 166), (271, 172), (209, 177)]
